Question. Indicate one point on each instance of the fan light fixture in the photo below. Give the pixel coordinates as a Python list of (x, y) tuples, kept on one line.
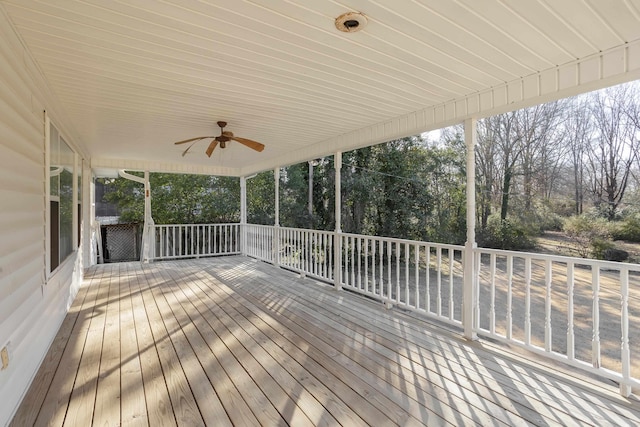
[(222, 139), (351, 22)]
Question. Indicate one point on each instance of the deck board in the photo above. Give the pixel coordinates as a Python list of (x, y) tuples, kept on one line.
[(133, 409), (233, 341)]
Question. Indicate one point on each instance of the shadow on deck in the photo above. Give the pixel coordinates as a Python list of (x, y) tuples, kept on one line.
[(233, 341)]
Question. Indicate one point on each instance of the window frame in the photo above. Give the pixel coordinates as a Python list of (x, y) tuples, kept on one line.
[(76, 202)]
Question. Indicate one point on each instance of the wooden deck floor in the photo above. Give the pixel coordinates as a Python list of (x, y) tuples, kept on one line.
[(232, 341)]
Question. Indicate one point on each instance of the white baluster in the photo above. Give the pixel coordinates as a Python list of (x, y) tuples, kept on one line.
[(374, 276), (547, 307), (451, 259), (595, 340), (476, 288), (439, 281), (427, 302), (397, 245), (367, 284), (509, 296), (193, 239), (381, 276), (389, 284), (625, 356), (570, 332), (406, 273), (527, 301), (359, 262), (492, 298), (416, 261)]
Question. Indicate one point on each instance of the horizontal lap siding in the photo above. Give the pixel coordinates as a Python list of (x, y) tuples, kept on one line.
[(21, 187), (29, 313)]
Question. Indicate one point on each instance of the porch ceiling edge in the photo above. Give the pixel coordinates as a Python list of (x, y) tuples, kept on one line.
[(617, 65)]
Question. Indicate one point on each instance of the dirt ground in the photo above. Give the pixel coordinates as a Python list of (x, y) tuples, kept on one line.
[(441, 294), (558, 243)]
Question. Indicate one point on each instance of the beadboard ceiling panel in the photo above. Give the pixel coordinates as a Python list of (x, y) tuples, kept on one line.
[(133, 76)]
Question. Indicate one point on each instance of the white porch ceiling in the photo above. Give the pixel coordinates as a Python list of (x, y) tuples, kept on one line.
[(132, 76)]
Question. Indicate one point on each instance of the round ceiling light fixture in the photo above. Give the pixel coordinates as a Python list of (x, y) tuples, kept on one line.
[(351, 22)]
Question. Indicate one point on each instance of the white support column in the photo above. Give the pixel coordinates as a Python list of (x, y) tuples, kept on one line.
[(310, 207), (148, 238), (243, 215), (148, 249), (337, 254), (276, 178), (276, 229), (88, 215), (470, 290)]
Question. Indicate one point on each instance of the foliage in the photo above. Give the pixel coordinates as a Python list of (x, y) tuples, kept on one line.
[(509, 234), (589, 233), (541, 218), (627, 229), (600, 248), (261, 198), (178, 199)]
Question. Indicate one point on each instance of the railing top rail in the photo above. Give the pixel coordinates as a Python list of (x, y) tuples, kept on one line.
[(186, 225), (412, 242), (610, 265), (308, 230), (260, 225)]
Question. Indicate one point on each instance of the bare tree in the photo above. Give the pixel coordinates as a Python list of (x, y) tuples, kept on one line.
[(539, 132), (502, 132), (614, 145), (578, 125), (484, 173)]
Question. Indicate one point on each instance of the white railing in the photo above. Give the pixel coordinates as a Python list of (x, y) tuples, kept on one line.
[(195, 240), (419, 276), (570, 309), (306, 251), (585, 313), (259, 242)]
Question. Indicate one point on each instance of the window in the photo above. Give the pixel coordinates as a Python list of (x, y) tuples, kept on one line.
[(63, 185)]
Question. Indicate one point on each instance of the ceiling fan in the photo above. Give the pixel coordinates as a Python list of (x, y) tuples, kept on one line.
[(224, 137)]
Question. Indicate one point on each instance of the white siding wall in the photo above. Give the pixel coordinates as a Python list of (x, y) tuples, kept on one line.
[(30, 310)]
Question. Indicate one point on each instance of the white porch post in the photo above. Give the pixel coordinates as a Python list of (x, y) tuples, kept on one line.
[(337, 254), (148, 233), (243, 215), (470, 284), (276, 229), (88, 216), (149, 242)]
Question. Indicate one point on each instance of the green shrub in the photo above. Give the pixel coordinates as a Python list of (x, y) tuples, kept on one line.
[(627, 229), (591, 234), (600, 247), (509, 234)]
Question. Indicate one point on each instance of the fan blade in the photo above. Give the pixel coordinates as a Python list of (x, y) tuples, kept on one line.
[(193, 139), (212, 147), (191, 145), (249, 143)]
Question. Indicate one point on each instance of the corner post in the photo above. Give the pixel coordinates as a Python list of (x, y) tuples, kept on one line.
[(243, 215), (337, 236), (149, 230), (470, 291), (276, 228)]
